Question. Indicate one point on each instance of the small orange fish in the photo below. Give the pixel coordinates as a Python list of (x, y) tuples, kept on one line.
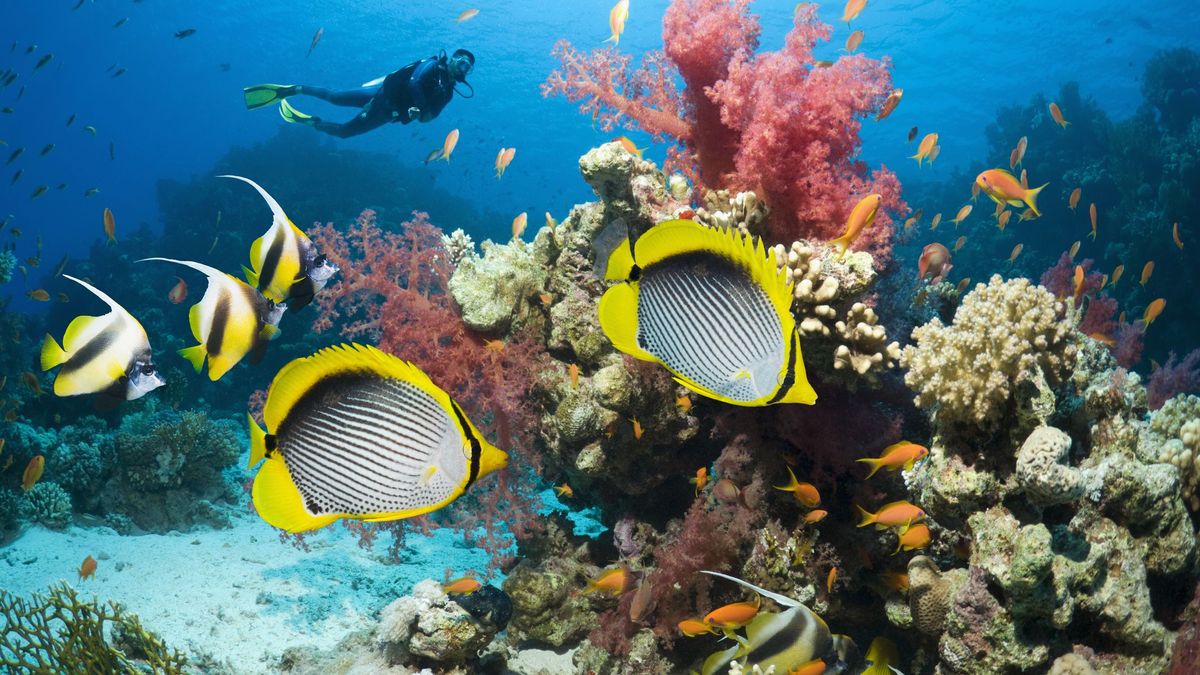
[(1073, 200), (33, 472), (1027, 214), (814, 667), (1001, 207), (110, 226), (962, 214), (564, 490), (1024, 179), (830, 579), (1056, 113), (975, 190), (32, 383), (695, 627), (902, 455), (466, 15), (933, 154), (937, 220), (1147, 270), (805, 493), (1103, 339), (1071, 252), (1092, 215), (895, 581), (1003, 187), (700, 479), (1002, 221), (734, 615), (684, 402), (958, 243), (503, 159), (610, 582), (462, 586), (550, 221), (1116, 275), (1022, 144), (1012, 257), (815, 516), (178, 293), (449, 144), (630, 146), (854, 41), (1152, 311), (900, 514), (853, 9), (1175, 236), (643, 601), (861, 217), (637, 430), (925, 147), (889, 105), (1012, 160), (494, 346), (1079, 278), (617, 17), (518, 224), (916, 537), (546, 299), (41, 295), (573, 375), (88, 569)]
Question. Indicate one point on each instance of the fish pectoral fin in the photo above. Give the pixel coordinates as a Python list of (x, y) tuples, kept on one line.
[(427, 475), (278, 500)]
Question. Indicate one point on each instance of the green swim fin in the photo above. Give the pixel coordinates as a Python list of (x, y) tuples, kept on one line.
[(261, 95), (292, 116)]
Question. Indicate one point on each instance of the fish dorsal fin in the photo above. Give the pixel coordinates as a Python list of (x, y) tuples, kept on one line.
[(211, 272), (298, 377), (256, 255), (276, 210), (100, 294), (781, 599)]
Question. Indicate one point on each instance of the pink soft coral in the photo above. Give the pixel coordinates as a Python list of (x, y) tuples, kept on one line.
[(1173, 377), (774, 122)]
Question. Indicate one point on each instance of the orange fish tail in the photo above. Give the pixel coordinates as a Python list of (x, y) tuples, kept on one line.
[(867, 516), (875, 465), (1030, 199), (842, 244)]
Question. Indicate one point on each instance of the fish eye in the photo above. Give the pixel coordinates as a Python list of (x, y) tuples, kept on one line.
[(147, 369)]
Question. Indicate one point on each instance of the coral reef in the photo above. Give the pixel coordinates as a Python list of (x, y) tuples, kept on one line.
[(8, 264), (47, 504), (1173, 437)]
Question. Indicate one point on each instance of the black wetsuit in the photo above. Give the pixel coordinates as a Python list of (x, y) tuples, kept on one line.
[(426, 85)]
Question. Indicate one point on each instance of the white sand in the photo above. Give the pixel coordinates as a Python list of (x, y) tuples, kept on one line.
[(237, 594)]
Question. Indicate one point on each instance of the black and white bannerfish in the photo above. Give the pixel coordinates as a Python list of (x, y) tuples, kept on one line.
[(795, 639), (711, 306), (354, 432), (230, 321), (285, 264), (107, 354)]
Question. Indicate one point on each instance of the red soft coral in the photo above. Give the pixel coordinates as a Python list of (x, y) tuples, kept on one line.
[(1172, 378)]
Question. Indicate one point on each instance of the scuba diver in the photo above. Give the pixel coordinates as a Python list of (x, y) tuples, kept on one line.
[(418, 91)]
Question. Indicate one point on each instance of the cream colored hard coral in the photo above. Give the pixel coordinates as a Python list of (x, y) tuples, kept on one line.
[(1175, 429), (1005, 334)]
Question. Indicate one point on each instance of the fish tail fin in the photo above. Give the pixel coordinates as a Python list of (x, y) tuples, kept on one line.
[(195, 356), (1092, 235), (258, 441), (842, 244), (52, 353), (871, 462), (1031, 199), (867, 516), (615, 39)]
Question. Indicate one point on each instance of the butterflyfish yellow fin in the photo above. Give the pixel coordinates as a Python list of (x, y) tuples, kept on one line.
[(52, 354), (620, 262), (195, 356), (250, 275), (618, 319), (194, 322), (258, 442), (256, 256), (278, 501)]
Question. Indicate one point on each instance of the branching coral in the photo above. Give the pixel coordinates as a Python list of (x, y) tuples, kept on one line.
[(48, 504), (742, 211), (863, 346), (1005, 335), (47, 632)]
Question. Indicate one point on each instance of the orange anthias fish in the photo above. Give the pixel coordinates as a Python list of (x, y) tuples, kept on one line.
[(902, 455), (830, 579), (1079, 279), (734, 615), (506, 158), (629, 146), (916, 537), (974, 191), (813, 667), (937, 220), (861, 217), (178, 293), (88, 568), (700, 479), (895, 581), (934, 263), (494, 346), (466, 15), (1175, 236), (110, 225), (32, 383), (1012, 160), (462, 586), (962, 285), (1152, 311), (449, 143), (694, 627), (805, 493), (1002, 221), (1022, 144), (33, 472), (611, 582), (1073, 200), (1024, 179), (900, 514), (1073, 250), (1147, 270), (573, 375), (616, 21), (637, 430), (564, 490), (1012, 257), (1116, 275), (1092, 215), (854, 41), (925, 147), (40, 294), (1056, 113), (643, 601), (889, 105), (518, 224), (962, 214), (853, 9), (684, 402), (1004, 188), (815, 516)]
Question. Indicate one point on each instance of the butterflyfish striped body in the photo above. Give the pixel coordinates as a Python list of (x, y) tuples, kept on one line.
[(353, 432), (230, 321), (711, 307), (109, 354), (285, 265)]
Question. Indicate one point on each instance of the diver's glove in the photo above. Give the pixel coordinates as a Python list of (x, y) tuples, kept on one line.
[(413, 113)]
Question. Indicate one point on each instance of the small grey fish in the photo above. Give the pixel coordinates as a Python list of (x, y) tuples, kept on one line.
[(16, 177), (185, 33), (13, 157), (120, 72), (46, 150), (71, 119), (43, 61), (120, 23)]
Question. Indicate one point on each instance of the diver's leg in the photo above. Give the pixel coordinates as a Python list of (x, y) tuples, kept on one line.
[(363, 122), (352, 98)]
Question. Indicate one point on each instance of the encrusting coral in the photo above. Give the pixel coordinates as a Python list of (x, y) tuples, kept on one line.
[(1173, 437)]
